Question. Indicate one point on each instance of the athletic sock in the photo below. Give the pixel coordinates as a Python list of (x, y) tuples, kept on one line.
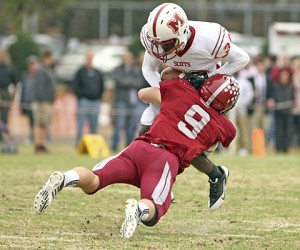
[(144, 210), (71, 178), (215, 173)]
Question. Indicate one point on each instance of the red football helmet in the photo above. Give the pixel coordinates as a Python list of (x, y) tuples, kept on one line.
[(220, 92)]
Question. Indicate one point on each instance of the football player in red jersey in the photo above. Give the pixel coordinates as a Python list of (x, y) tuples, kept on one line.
[(198, 47), (189, 123)]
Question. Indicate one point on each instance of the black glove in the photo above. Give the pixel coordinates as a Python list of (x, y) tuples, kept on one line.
[(196, 79)]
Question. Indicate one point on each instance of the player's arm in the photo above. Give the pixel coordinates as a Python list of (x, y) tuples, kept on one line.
[(150, 95), (235, 60), (150, 70), (153, 94)]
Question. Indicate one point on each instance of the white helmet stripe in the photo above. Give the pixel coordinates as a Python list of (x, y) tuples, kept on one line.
[(218, 91)]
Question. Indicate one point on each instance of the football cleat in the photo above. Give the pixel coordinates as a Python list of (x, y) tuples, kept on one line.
[(46, 195), (217, 189), (132, 218)]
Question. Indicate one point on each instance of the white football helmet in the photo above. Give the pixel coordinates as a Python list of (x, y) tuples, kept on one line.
[(168, 31)]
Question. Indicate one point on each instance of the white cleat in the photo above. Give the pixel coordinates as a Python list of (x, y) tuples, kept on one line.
[(47, 194), (132, 218)]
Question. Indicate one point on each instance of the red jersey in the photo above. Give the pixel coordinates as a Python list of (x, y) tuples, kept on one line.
[(185, 126)]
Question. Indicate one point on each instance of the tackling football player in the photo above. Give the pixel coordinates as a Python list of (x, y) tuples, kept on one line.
[(188, 124)]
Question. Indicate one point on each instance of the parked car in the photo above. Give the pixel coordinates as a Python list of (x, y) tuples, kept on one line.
[(106, 59), (67, 66), (72, 60)]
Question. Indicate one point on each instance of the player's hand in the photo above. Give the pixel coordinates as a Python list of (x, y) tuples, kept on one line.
[(196, 79)]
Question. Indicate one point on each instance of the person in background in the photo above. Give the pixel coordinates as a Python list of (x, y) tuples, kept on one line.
[(88, 86), (43, 97), (127, 83), (276, 64), (282, 103), (262, 86), (242, 117), (9, 145), (8, 76), (296, 106), (282, 62), (26, 92)]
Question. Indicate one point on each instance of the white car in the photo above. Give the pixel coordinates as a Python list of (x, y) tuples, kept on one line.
[(108, 58)]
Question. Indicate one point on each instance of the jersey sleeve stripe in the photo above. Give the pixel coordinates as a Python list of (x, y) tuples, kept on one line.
[(217, 41), (220, 43)]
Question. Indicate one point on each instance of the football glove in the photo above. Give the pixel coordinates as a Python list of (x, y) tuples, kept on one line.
[(196, 79)]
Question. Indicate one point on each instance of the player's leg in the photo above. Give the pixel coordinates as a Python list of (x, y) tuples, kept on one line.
[(136, 211), (217, 179), (143, 130), (115, 169), (148, 117), (77, 177), (156, 184)]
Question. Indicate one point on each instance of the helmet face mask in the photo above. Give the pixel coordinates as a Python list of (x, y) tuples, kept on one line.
[(220, 92), (167, 31), (165, 50)]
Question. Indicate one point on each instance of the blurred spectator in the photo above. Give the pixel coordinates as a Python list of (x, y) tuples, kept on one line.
[(140, 107), (271, 67), (282, 101), (242, 117), (270, 62), (88, 86), (7, 77), (127, 83), (26, 92), (9, 146), (43, 96), (262, 86), (296, 107), (282, 62)]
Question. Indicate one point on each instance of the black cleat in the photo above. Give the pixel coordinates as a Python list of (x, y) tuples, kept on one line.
[(217, 190)]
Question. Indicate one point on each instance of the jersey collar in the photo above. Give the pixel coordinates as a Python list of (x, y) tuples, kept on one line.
[(189, 43)]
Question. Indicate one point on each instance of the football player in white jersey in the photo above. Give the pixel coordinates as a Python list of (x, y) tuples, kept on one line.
[(199, 48)]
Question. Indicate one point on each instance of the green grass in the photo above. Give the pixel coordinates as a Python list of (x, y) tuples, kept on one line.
[(261, 211)]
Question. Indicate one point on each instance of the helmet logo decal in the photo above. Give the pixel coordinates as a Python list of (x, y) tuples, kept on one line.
[(174, 23)]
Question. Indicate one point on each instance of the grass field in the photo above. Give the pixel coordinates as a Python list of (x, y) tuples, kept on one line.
[(261, 211)]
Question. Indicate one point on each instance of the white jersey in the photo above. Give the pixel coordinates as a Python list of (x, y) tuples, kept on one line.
[(209, 46)]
